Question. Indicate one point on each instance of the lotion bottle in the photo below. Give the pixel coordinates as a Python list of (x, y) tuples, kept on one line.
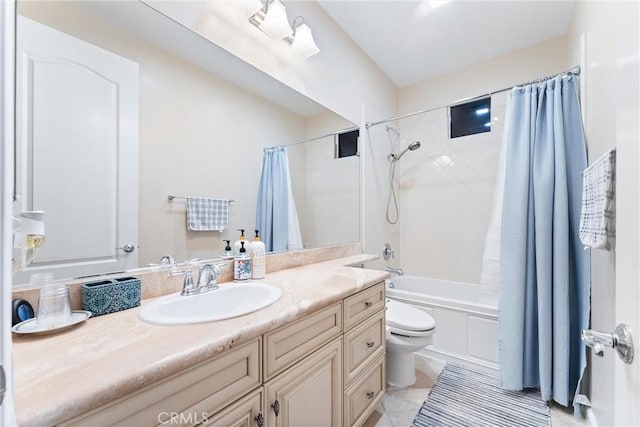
[(242, 265), (228, 252), (236, 246), (258, 265)]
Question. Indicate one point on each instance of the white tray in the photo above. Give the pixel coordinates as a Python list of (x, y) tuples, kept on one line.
[(30, 326)]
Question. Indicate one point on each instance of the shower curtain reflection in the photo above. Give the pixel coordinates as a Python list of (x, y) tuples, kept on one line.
[(276, 214)]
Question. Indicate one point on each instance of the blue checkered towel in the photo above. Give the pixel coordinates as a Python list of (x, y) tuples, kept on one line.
[(207, 214), (597, 219)]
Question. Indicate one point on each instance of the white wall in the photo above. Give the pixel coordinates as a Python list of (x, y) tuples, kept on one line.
[(446, 187), (326, 190), (603, 37), (332, 195)]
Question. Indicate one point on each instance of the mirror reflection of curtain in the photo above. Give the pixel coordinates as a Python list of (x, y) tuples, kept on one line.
[(276, 214), (544, 301)]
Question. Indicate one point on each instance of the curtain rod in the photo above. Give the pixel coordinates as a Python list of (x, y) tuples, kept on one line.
[(337, 132), (575, 71)]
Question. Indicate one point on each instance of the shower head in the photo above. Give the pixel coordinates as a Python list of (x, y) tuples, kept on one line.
[(412, 147)]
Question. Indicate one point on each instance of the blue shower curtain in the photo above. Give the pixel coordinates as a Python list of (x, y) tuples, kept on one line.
[(272, 211), (544, 302)]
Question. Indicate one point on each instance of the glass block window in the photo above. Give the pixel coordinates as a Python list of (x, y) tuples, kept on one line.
[(470, 118), (347, 144)]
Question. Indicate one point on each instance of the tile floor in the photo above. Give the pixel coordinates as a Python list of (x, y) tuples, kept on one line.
[(400, 405)]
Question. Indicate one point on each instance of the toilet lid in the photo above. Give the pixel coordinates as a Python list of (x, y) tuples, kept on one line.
[(408, 318)]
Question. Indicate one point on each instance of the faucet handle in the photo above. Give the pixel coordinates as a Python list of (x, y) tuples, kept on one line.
[(213, 272), (188, 288)]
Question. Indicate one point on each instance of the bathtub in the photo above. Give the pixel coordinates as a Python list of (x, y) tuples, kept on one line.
[(466, 318)]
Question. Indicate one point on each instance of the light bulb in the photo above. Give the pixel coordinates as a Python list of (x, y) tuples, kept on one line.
[(275, 23), (303, 44)]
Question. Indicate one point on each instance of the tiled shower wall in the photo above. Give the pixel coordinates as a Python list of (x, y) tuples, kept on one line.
[(447, 186), (445, 192)]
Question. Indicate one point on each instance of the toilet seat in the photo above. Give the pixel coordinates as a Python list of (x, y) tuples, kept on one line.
[(403, 319)]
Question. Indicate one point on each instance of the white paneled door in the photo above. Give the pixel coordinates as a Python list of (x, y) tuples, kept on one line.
[(627, 291), (77, 151), (7, 19)]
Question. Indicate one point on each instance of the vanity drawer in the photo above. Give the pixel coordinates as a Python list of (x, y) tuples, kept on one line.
[(363, 344), (241, 414), (291, 343), (212, 384), (362, 305), (362, 397)]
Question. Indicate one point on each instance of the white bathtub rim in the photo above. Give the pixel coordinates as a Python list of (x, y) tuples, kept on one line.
[(481, 311), (484, 301)]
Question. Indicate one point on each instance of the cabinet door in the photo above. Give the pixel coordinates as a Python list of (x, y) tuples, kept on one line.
[(309, 393), (246, 412)]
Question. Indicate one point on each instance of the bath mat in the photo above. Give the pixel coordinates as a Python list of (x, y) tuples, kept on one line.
[(463, 397)]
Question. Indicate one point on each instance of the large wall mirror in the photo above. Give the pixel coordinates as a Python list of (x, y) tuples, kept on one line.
[(111, 121)]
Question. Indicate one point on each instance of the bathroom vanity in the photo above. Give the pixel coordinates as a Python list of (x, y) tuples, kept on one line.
[(315, 357)]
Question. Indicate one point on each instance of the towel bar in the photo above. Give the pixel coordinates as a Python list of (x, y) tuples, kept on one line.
[(170, 197)]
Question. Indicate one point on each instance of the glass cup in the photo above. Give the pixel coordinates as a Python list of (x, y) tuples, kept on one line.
[(54, 304)]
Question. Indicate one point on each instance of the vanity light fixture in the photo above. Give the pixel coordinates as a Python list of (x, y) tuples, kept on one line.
[(271, 18), (303, 44)]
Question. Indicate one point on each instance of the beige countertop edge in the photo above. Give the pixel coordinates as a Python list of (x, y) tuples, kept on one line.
[(58, 377)]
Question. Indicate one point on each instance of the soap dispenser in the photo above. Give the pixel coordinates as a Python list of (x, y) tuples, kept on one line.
[(242, 265), (258, 264), (236, 246), (228, 252)]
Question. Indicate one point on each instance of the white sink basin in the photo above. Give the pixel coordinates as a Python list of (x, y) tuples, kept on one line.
[(228, 301)]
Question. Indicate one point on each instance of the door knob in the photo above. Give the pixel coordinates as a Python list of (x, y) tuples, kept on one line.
[(128, 248), (620, 340)]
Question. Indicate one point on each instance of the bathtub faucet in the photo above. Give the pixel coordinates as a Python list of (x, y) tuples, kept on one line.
[(397, 271)]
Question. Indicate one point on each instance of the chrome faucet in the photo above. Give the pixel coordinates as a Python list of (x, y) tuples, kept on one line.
[(207, 277), (397, 271), (209, 273)]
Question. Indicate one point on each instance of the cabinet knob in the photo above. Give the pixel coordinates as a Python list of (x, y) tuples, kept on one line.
[(259, 419), (371, 343), (368, 304), (370, 395), (276, 407)]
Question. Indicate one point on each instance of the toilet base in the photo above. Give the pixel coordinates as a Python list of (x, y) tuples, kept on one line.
[(401, 368)]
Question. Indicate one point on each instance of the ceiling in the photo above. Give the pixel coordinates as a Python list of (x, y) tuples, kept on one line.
[(414, 40)]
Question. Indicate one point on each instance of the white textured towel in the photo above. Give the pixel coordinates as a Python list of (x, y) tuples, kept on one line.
[(597, 221), (205, 214)]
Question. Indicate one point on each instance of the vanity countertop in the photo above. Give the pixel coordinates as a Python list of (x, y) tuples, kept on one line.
[(60, 376)]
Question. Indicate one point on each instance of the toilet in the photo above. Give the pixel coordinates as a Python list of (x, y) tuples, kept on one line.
[(408, 330)]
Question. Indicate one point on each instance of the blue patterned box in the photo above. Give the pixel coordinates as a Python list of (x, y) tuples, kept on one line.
[(109, 296)]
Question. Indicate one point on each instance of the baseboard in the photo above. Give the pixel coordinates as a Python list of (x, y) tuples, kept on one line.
[(481, 365)]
